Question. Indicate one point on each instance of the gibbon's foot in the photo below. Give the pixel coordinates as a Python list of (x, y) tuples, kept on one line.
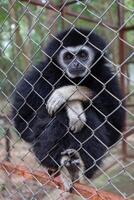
[(70, 157), (71, 168)]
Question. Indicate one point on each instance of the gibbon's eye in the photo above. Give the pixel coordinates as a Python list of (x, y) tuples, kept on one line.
[(83, 55), (68, 56)]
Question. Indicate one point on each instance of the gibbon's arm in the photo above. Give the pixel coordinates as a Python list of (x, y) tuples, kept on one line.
[(73, 96), (67, 93)]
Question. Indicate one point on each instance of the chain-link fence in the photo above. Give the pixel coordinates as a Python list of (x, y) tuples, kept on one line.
[(60, 94)]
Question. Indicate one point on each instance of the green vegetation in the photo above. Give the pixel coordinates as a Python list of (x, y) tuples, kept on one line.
[(25, 30)]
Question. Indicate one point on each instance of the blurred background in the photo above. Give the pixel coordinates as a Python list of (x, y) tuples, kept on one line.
[(25, 29)]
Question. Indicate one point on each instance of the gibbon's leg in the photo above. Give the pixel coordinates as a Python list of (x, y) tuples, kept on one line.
[(72, 168), (67, 93), (76, 115)]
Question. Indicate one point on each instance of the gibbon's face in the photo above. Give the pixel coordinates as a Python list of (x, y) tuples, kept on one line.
[(76, 61)]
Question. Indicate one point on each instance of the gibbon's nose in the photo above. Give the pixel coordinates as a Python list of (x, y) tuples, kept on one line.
[(76, 64)]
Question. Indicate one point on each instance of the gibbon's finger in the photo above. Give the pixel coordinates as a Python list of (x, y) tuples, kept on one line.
[(55, 102), (51, 98), (77, 126), (53, 108), (50, 101), (50, 104)]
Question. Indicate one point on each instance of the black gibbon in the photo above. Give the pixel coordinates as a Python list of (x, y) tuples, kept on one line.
[(69, 106)]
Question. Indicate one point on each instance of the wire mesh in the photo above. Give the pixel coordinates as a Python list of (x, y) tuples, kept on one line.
[(27, 26)]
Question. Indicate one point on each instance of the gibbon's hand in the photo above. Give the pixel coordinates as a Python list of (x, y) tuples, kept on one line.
[(67, 93), (55, 101), (76, 116)]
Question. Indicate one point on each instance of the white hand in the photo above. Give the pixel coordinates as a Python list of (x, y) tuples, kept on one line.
[(55, 101), (76, 116), (76, 123)]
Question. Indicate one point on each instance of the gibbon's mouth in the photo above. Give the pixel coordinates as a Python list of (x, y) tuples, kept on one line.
[(77, 73)]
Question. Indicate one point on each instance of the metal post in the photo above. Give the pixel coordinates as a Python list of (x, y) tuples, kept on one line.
[(121, 60)]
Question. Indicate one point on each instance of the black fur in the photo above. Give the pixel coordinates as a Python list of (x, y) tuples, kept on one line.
[(49, 136)]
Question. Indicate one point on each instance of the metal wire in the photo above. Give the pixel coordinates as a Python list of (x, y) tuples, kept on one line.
[(41, 19)]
